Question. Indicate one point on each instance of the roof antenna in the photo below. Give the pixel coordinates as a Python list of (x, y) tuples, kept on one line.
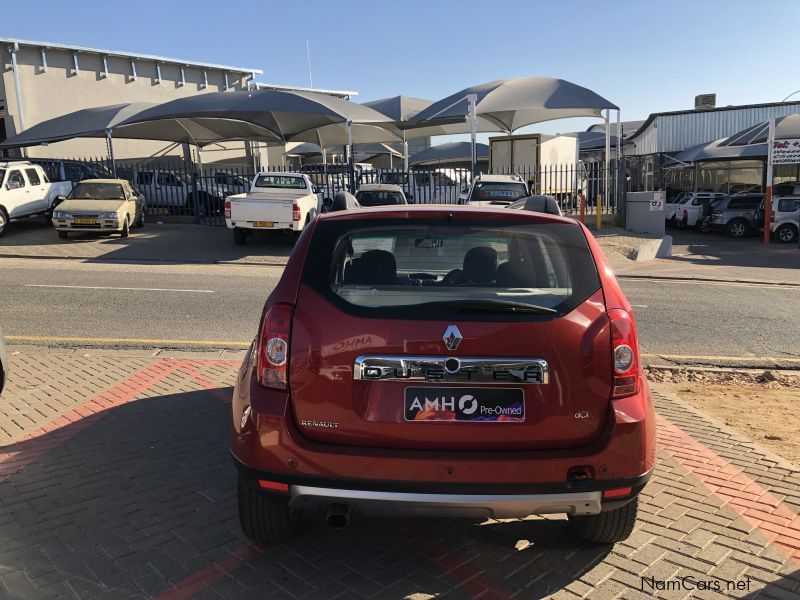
[(308, 55)]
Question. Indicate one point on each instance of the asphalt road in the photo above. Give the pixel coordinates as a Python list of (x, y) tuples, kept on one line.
[(222, 304)]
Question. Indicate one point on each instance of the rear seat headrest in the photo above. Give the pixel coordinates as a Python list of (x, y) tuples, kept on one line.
[(344, 201)]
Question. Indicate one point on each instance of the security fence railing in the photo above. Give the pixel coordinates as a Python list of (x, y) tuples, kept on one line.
[(175, 187)]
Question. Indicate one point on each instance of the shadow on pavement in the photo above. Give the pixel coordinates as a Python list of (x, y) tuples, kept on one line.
[(144, 497), (154, 243)]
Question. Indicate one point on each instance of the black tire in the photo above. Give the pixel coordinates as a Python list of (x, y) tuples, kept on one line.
[(126, 229), (3, 221), (265, 519), (239, 236), (737, 228), (140, 220), (681, 223), (786, 234), (607, 527), (62, 235)]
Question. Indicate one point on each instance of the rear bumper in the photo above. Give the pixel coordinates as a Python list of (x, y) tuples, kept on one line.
[(239, 224), (266, 445)]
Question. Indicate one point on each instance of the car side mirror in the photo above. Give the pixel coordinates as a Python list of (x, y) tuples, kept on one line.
[(60, 199)]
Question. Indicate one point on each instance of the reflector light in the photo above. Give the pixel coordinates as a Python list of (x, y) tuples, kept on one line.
[(273, 485), (617, 493), (227, 209)]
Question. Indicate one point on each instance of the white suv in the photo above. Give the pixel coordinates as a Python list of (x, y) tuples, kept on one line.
[(689, 213), (500, 190)]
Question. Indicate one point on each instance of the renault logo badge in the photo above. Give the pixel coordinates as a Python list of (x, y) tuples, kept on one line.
[(452, 337)]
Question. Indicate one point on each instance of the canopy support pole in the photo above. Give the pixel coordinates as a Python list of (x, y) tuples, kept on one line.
[(618, 165), (197, 186), (110, 147), (472, 99), (405, 152), (350, 164), (598, 205), (768, 191)]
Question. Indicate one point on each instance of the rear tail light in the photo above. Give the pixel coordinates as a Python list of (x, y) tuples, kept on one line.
[(273, 347), (227, 209), (772, 215), (685, 213), (295, 213), (625, 354), (716, 213)]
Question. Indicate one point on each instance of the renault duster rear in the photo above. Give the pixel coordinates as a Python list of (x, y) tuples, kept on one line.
[(435, 361)]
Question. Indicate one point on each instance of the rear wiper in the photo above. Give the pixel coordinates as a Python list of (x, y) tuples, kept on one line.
[(500, 306)]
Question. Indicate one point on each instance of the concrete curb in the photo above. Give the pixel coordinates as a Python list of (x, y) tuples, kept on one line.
[(709, 279), (658, 248)]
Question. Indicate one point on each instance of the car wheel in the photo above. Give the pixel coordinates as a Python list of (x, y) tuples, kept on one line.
[(736, 228), (140, 220), (3, 220), (607, 527), (681, 223), (265, 519), (62, 235), (126, 228), (704, 226), (239, 236), (786, 233)]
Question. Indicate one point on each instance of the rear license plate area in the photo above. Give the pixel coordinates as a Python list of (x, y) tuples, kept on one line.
[(466, 405), (263, 224)]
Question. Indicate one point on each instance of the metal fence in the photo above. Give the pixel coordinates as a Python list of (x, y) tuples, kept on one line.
[(175, 187)]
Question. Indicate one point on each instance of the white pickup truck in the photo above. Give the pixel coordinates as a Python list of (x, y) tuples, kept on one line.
[(25, 191), (287, 201)]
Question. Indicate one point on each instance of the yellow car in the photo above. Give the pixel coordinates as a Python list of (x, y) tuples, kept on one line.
[(104, 205)]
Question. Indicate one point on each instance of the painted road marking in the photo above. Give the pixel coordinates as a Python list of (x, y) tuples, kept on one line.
[(102, 287), (143, 342)]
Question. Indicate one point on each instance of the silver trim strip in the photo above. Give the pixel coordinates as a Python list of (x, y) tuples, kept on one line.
[(499, 506), (451, 369)]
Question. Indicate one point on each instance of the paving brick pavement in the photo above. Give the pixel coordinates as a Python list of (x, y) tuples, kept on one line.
[(121, 487)]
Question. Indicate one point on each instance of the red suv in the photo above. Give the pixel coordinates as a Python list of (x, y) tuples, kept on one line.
[(443, 361)]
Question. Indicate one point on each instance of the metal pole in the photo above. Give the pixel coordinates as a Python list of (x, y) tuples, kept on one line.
[(768, 194), (605, 174), (575, 166), (617, 172), (20, 109), (350, 164), (473, 130), (110, 146), (405, 152), (196, 187)]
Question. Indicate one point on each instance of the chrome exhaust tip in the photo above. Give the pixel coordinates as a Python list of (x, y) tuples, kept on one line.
[(338, 516)]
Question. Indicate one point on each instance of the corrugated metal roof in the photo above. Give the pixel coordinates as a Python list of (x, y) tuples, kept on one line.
[(681, 130), (133, 55)]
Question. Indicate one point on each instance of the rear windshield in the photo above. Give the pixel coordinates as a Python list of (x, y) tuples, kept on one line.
[(281, 181), (502, 192), (432, 270), (379, 198), (98, 191)]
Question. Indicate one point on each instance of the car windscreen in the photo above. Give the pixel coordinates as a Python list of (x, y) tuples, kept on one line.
[(379, 198), (428, 269), (394, 178), (495, 191), (281, 182), (98, 191)]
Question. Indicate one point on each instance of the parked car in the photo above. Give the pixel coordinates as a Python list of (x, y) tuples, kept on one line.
[(672, 204), (424, 187), (175, 193), (537, 203), (734, 214), (380, 194), (3, 363), (25, 191), (73, 171), (784, 218), (443, 361), (276, 201), (693, 207), (104, 205), (495, 190)]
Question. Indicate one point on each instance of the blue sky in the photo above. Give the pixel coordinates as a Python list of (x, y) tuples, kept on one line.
[(644, 56)]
